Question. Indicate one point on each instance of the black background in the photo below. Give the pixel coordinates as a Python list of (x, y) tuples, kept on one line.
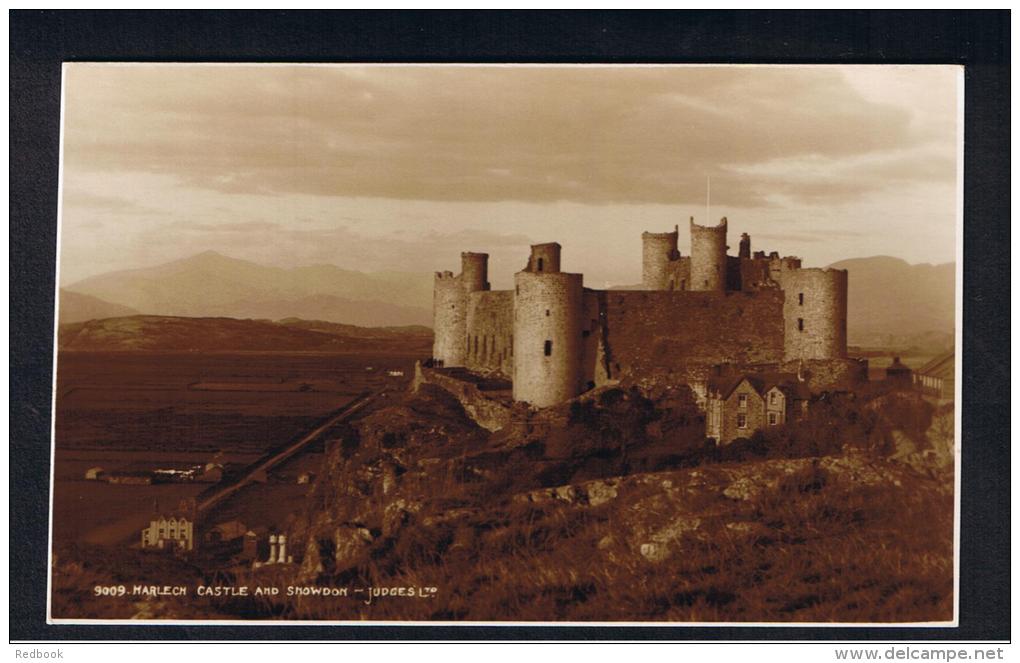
[(42, 40)]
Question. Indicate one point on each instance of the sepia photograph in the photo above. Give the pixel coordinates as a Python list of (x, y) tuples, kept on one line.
[(507, 343)]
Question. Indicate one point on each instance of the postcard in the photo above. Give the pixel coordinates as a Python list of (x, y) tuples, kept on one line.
[(569, 344)]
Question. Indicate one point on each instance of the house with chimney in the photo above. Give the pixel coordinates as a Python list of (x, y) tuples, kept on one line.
[(738, 405)]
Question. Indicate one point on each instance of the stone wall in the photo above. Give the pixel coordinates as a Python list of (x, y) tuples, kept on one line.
[(487, 412), (649, 333), (490, 317)]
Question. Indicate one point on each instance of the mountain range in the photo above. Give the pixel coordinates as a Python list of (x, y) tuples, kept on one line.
[(891, 301), (182, 334), (212, 285)]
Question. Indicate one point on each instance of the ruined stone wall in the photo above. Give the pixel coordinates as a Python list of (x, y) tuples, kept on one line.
[(547, 351), (655, 333), (490, 316), (815, 313), (488, 413), (708, 257)]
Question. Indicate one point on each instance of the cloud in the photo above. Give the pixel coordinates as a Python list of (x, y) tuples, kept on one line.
[(537, 134)]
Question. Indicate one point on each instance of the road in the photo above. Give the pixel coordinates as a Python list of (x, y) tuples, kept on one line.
[(265, 464)]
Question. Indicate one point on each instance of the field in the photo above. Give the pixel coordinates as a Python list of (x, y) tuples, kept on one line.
[(126, 411)]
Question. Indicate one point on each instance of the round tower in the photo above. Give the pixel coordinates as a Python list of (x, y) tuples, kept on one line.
[(547, 342), (544, 258), (449, 307), (474, 271), (658, 250), (708, 256), (814, 313), (449, 320)]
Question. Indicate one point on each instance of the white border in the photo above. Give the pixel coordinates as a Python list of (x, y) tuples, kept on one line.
[(958, 340)]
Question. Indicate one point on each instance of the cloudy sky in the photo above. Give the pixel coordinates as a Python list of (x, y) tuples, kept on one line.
[(401, 168)]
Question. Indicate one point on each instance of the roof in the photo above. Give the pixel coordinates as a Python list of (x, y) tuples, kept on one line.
[(762, 383), (941, 366)]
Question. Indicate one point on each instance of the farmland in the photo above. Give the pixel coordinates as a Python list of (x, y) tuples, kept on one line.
[(133, 411)]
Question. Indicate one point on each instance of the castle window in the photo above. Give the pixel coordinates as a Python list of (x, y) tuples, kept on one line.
[(773, 419), (800, 299), (547, 313), (742, 401), (548, 348), (772, 398), (800, 324), (741, 421), (540, 264), (585, 333), (683, 284), (518, 289)]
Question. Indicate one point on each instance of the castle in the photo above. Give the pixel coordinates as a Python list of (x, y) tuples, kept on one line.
[(694, 317)]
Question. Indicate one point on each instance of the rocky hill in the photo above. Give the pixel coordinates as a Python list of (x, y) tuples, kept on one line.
[(515, 527), (172, 334)]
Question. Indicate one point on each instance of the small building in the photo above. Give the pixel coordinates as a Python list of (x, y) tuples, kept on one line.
[(937, 378), (94, 473), (898, 373), (737, 406), (173, 533)]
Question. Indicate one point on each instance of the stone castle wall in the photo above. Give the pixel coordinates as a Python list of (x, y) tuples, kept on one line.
[(660, 332), (490, 331)]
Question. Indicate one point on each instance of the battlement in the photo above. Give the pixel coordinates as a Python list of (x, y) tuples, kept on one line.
[(445, 276)]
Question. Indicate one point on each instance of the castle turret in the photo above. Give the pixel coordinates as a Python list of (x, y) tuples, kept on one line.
[(474, 271), (658, 251), (745, 246), (708, 256), (547, 341), (814, 313), (544, 258), (449, 307)]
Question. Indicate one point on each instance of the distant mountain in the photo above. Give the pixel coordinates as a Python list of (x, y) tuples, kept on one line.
[(168, 334), (895, 303), (210, 284), (76, 307), (343, 311)]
